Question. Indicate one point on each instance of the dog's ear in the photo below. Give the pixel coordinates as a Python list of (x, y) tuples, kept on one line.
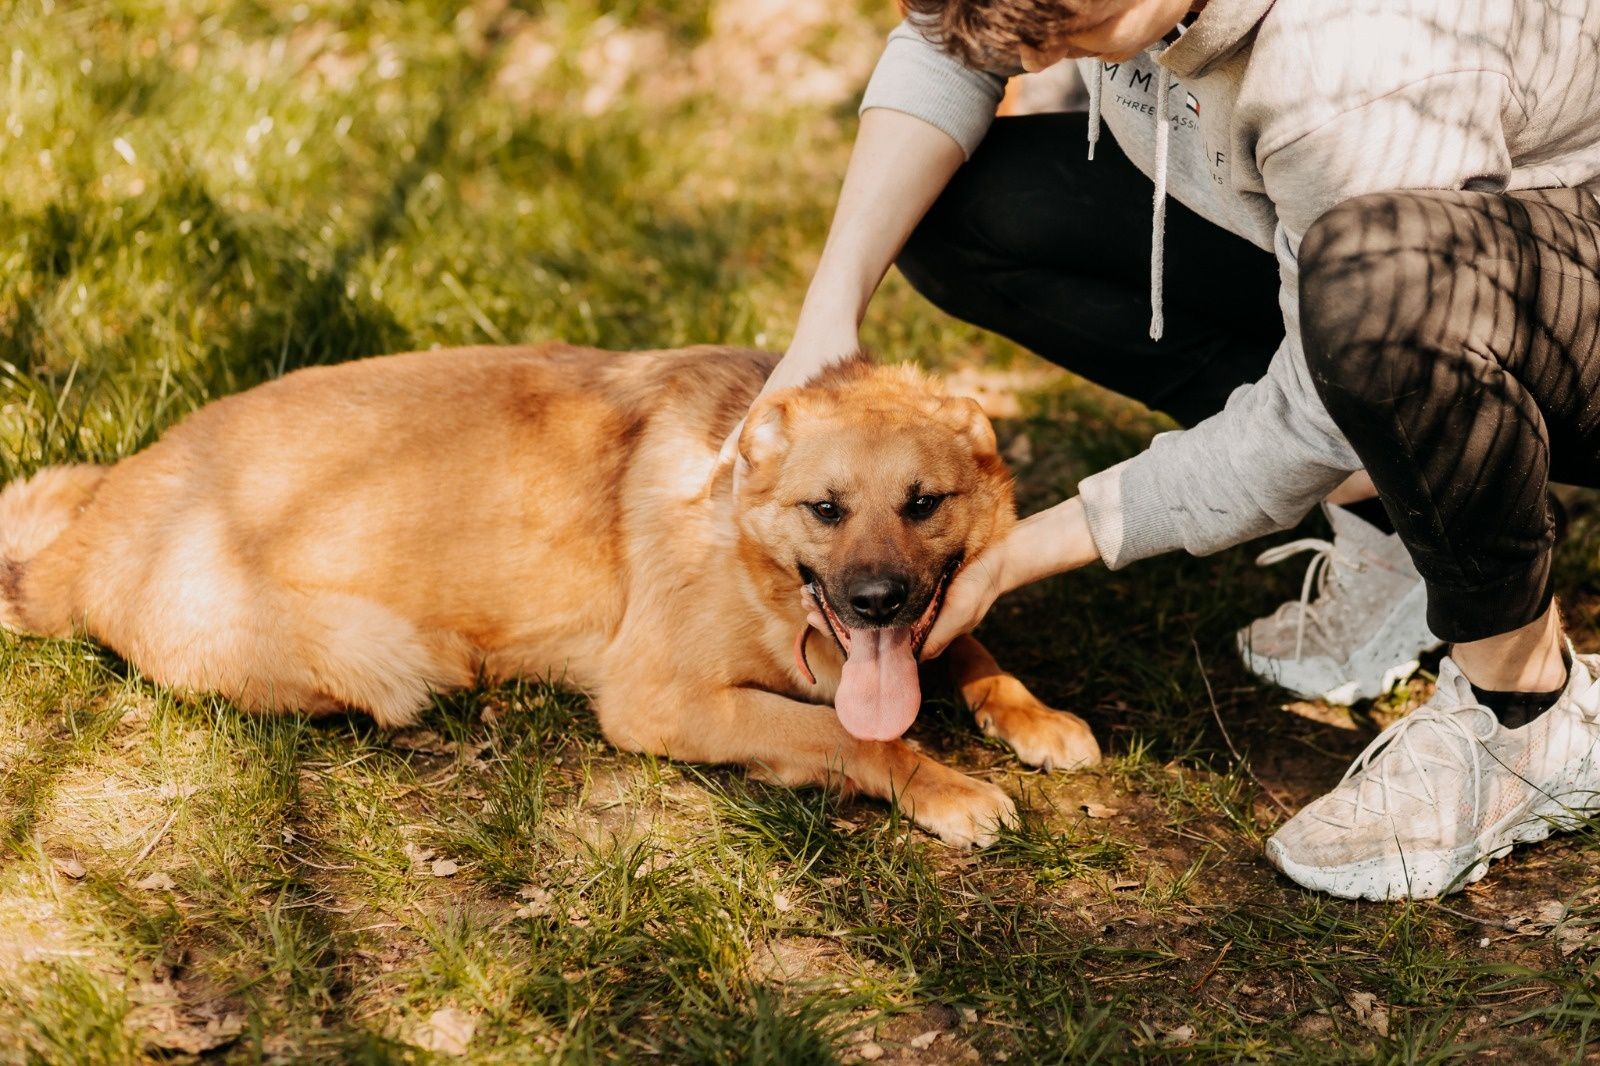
[(962, 414), (765, 434)]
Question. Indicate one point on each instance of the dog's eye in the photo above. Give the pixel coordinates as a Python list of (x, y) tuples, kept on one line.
[(923, 506), (827, 510)]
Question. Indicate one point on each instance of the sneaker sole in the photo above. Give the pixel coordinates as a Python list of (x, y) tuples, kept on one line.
[(1366, 674), (1427, 874)]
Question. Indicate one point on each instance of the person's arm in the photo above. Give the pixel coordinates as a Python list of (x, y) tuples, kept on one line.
[(1273, 451), (899, 165), (922, 115)]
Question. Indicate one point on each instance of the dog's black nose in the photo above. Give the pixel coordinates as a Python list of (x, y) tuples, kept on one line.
[(878, 599)]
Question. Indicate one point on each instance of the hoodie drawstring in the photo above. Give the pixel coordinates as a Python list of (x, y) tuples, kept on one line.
[(1094, 107), (1158, 214)]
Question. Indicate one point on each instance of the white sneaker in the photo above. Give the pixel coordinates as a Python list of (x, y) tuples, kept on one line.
[(1446, 789), (1367, 628)]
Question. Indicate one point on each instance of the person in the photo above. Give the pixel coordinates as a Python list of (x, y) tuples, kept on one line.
[(1371, 264)]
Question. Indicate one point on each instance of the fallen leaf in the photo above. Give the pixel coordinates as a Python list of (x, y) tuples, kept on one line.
[(1369, 1012), (1570, 938), (448, 1031), (418, 858), (425, 741), (537, 905), (1539, 917), (1183, 1034), (197, 1039), (1324, 714)]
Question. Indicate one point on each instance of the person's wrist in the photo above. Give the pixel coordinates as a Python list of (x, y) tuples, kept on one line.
[(813, 351), (1046, 543)]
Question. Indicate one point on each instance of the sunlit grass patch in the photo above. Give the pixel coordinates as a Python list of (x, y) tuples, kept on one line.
[(202, 195)]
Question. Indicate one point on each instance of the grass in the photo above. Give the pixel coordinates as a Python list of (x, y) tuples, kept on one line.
[(204, 194)]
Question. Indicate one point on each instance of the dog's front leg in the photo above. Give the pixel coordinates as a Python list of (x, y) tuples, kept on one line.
[(793, 743), (1004, 708)]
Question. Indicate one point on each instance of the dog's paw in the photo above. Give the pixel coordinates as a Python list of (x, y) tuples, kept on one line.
[(1048, 739), (964, 813)]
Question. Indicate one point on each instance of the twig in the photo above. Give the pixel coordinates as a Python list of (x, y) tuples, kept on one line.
[(1240, 759), (1493, 923), (1212, 968), (144, 852)]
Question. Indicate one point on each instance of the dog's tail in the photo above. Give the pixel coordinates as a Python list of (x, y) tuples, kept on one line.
[(33, 515)]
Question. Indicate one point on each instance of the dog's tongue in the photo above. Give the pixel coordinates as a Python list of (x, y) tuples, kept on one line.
[(879, 694)]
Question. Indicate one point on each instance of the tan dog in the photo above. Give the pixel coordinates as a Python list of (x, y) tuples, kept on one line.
[(358, 536)]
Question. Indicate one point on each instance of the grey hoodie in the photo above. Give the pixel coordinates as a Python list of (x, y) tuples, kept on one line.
[(1276, 112)]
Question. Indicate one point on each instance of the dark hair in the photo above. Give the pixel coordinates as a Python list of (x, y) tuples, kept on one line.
[(991, 32)]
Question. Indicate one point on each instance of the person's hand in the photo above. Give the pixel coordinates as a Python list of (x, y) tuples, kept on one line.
[(802, 362), (973, 590), (1052, 541)]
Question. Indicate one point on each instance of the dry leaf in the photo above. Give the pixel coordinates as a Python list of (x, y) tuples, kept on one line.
[(448, 1031), (197, 1039), (1570, 938), (166, 1017), (1369, 1012), (425, 741), (1324, 714), (537, 905), (1541, 916)]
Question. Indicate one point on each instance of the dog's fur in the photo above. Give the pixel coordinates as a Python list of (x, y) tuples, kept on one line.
[(359, 536)]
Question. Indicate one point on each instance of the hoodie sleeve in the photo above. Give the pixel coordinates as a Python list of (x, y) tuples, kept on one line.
[(1273, 452), (919, 78)]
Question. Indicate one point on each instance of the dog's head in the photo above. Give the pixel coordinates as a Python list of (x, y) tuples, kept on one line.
[(871, 487)]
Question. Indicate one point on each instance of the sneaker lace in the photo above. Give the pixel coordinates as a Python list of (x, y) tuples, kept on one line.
[(1394, 748), (1322, 575)]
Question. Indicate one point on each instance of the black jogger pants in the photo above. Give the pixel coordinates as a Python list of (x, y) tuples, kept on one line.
[(1453, 336), (1455, 339)]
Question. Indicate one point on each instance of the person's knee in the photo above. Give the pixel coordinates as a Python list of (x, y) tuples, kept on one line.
[(1367, 271)]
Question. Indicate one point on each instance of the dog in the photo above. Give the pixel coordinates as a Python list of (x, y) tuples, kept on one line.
[(357, 537)]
